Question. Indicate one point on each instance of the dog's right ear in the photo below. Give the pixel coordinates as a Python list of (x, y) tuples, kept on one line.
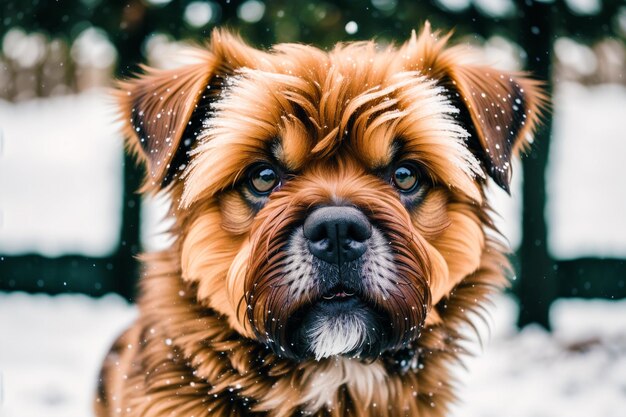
[(156, 108)]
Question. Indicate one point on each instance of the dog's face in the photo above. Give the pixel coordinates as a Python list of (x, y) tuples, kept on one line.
[(326, 201)]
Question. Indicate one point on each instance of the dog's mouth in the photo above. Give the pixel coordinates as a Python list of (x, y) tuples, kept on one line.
[(339, 293), (342, 321)]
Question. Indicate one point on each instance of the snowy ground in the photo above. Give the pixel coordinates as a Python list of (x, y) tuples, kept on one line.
[(51, 348)]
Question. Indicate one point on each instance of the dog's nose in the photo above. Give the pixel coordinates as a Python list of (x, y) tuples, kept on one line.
[(337, 234)]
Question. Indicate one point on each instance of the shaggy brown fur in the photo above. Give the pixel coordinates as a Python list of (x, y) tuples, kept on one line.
[(212, 303)]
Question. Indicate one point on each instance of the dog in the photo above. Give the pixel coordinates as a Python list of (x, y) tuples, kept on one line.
[(332, 237)]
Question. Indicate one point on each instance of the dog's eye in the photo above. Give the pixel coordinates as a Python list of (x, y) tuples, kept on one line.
[(405, 177), (263, 179)]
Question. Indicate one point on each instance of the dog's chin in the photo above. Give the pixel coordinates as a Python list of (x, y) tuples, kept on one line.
[(339, 327)]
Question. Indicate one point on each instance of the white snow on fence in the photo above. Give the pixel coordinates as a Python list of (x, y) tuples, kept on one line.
[(60, 176), (586, 179)]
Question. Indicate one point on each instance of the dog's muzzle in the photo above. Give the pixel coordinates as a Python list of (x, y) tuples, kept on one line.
[(339, 322), (342, 283)]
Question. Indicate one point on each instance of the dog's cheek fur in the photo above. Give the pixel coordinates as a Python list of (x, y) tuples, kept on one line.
[(452, 226), (461, 245), (207, 255), (237, 215)]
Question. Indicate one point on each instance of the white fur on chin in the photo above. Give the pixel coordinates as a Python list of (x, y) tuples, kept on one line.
[(336, 335)]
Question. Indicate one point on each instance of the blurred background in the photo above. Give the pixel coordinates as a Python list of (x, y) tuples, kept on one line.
[(71, 221)]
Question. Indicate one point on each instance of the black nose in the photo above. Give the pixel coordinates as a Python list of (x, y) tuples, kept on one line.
[(337, 234)]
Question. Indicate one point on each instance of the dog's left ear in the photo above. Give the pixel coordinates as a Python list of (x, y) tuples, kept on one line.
[(499, 109)]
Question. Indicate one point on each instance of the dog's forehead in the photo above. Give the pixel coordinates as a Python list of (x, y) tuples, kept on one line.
[(307, 105), (303, 109)]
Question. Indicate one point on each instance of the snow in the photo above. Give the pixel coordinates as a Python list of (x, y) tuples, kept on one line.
[(60, 176), (251, 11), (199, 13), (579, 370), (92, 48), (60, 179), (584, 7), (577, 56), (155, 224), (454, 5), (586, 207), (52, 347), (26, 49), (495, 7), (351, 27)]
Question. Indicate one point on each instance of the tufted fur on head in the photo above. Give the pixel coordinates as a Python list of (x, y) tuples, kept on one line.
[(234, 316)]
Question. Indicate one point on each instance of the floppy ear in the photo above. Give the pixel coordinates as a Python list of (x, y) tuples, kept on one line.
[(500, 110), (156, 108)]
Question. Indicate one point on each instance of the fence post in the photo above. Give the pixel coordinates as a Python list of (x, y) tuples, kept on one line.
[(537, 286), (129, 42)]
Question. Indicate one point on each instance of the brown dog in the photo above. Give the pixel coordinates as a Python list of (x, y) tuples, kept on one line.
[(332, 233)]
